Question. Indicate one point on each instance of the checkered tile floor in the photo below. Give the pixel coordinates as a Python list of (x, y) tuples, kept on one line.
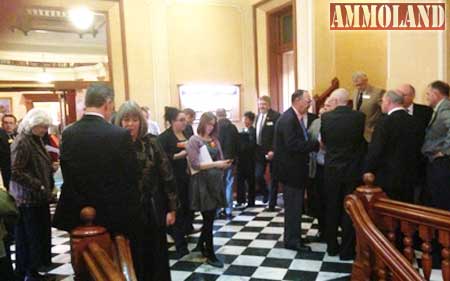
[(251, 247)]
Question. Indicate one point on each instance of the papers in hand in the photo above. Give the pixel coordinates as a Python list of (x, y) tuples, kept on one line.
[(203, 158)]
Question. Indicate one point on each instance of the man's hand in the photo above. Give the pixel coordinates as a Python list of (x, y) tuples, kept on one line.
[(269, 155), (170, 218)]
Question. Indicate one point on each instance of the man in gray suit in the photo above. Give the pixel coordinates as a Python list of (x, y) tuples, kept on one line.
[(367, 99), (437, 145)]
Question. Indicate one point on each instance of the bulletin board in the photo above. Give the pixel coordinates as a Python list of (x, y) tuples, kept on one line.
[(209, 97)]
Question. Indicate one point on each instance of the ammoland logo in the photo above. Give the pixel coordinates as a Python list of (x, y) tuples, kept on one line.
[(387, 16)]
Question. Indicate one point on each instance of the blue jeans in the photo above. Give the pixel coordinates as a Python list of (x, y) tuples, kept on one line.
[(229, 180)]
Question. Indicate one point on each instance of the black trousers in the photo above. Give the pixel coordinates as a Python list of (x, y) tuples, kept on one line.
[(260, 170), (438, 181), (184, 217), (206, 236), (33, 239), (338, 186), (293, 208), (245, 177)]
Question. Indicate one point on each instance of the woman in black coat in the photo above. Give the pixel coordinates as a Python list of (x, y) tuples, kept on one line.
[(174, 140), (157, 187)]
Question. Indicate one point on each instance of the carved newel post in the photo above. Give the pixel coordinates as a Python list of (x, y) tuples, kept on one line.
[(81, 236)]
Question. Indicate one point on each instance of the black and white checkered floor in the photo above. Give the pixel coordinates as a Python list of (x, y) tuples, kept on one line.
[(251, 247)]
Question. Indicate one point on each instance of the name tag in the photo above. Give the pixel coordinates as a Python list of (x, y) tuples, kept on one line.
[(366, 97), (269, 123)]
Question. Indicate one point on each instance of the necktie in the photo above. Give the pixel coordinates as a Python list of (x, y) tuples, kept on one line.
[(360, 100), (302, 124)]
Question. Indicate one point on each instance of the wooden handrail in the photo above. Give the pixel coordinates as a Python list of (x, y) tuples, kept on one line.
[(432, 217), (95, 257), (400, 222), (368, 234), (320, 99)]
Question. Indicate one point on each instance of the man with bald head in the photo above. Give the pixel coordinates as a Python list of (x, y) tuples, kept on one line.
[(342, 132), (422, 114), (392, 156)]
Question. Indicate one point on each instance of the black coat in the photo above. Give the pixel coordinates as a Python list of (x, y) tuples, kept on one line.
[(229, 138), (342, 132), (291, 150), (268, 130), (5, 156), (247, 149), (98, 163), (392, 154)]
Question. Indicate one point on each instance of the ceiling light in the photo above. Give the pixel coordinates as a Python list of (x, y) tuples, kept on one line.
[(81, 17), (44, 77)]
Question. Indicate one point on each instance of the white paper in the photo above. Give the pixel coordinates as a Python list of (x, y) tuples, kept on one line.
[(204, 158)]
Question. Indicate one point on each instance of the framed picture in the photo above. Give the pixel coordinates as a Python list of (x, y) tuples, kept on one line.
[(5, 105)]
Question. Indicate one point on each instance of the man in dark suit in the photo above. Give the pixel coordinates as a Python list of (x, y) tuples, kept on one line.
[(436, 146), (265, 127), (392, 155), (292, 149), (342, 133), (98, 163), (7, 134), (229, 141), (246, 161), (422, 114)]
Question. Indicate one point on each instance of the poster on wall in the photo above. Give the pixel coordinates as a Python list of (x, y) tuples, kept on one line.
[(5, 105), (209, 97)]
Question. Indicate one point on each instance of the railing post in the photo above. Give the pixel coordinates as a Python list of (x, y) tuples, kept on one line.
[(81, 236), (368, 194)]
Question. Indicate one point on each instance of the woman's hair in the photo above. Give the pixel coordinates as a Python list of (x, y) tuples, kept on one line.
[(171, 114), (34, 117), (204, 120), (132, 109)]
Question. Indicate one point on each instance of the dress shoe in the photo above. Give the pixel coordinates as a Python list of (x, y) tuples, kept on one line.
[(182, 252), (271, 209), (265, 199), (346, 257), (332, 252), (251, 205), (314, 239), (298, 247), (214, 261)]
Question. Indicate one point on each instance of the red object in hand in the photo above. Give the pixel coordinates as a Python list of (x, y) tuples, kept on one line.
[(181, 145)]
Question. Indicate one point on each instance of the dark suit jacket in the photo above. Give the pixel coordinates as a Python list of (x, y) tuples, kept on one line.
[(229, 138), (98, 163), (422, 114), (392, 154), (267, 131), (247, 149), (292, 150), (342, 132)]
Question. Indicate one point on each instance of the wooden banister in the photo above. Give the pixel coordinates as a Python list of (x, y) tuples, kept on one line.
[(386, 254), (400, 222), (95, 256), (320, 99)]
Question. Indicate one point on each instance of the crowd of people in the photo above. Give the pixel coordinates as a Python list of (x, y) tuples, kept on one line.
[(144, 183)]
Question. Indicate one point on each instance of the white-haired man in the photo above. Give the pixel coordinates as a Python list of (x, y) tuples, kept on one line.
[(342, 134), (367, 99)]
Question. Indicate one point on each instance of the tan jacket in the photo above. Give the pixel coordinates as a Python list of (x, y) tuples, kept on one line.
[(371, 107)]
